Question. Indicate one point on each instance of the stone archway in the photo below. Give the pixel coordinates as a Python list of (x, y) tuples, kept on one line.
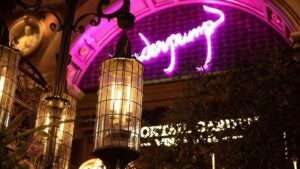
[(88, 45)]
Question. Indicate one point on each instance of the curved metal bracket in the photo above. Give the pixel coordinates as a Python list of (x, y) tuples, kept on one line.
[(105, 3), (123, 15), (39, 11), (56, 27), (53, 26), (14, 41), (80, 28)]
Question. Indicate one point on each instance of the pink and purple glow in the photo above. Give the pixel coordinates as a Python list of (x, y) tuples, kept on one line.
[(174, 40)]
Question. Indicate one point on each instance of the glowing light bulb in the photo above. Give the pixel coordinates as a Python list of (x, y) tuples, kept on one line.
[(2, 81), (116, 103), (128, 99), (47, 122), (61, 129), (116, 96), (213, 161), (295, 164)]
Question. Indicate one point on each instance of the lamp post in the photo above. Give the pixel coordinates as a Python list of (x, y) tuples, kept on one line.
[(119, 108)]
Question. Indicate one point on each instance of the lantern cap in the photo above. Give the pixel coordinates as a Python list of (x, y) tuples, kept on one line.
[(123, 47), (57, 101)]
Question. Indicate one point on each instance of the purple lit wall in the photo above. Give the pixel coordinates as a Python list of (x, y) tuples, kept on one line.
[(239, 33)]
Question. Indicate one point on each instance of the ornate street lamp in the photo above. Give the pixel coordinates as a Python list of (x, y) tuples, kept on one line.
[(60, 114), (119, 109), (54, 106)]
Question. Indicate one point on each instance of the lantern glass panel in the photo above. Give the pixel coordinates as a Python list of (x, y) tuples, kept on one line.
[(119, 104), (9, 60)]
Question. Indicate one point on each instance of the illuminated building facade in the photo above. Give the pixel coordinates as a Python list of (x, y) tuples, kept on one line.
[(174, 40)]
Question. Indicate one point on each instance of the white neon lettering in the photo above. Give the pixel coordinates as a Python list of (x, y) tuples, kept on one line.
[(152, 50)]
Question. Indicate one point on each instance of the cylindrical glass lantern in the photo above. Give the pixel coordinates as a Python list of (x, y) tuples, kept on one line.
[(9, 60), (57, 146), (119, 110)]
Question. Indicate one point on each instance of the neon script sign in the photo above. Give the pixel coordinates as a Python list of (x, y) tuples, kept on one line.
[(175, 40)]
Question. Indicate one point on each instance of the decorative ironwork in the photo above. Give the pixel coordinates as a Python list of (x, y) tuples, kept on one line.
[(30, 71), (80, 28), (123, 15), (30, 86)]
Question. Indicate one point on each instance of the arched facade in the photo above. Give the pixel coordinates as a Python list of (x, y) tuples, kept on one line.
[(89, 45), (248, 25)]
